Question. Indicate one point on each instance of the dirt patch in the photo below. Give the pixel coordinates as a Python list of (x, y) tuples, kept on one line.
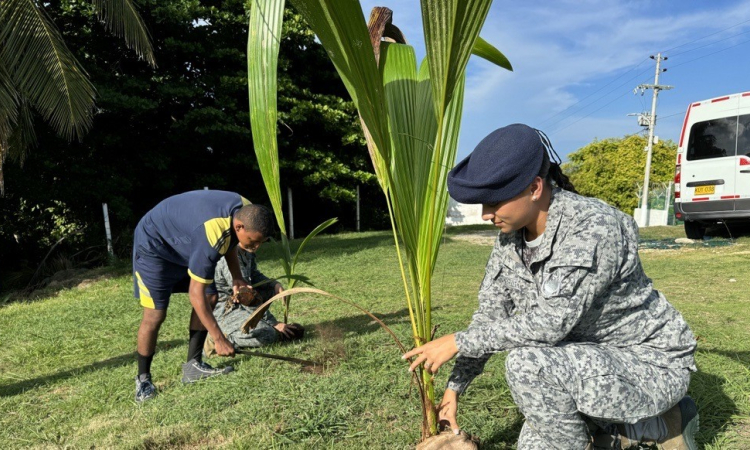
[(331, 351)]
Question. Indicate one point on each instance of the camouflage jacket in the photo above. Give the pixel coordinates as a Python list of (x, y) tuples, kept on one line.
[(251, 274), (586, 284)]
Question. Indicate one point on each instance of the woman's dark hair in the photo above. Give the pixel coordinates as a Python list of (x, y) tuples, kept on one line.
[(551, 170)]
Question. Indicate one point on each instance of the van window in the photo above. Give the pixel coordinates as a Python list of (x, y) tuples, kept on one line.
[(743, 135), (713, 138)]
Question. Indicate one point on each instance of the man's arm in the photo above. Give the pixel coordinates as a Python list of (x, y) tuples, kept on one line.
[(234, 268), (203, 309)]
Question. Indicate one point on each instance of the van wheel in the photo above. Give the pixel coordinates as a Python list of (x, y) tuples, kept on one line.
[(694, 230)]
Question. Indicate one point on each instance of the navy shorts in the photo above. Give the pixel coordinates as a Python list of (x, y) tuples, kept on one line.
[(156, 279)]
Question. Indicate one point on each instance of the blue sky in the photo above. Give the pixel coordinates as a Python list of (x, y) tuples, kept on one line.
[(577, 62)]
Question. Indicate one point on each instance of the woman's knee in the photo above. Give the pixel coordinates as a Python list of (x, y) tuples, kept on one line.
[(536, 366)]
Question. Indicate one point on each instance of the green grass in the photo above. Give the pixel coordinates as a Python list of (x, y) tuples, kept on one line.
[(67, 362)]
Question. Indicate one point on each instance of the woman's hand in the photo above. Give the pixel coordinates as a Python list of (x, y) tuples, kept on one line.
[(285, 330), (433, 354), (447, 411)]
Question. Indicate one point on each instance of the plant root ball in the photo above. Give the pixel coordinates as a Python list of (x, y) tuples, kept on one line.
[(448, 441)]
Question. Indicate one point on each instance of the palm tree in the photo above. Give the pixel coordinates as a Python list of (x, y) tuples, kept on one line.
[(39, 73), (410, 114)]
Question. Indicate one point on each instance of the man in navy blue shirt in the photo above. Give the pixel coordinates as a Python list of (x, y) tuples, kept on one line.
[(175, 249)]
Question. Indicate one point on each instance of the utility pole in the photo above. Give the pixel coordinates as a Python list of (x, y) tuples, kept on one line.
[(651, 125)]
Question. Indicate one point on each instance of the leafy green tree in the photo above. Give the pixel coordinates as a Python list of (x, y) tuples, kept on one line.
[(184, 125), (612, 169), (39, 72)]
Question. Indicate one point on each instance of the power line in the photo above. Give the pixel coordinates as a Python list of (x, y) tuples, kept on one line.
[(598, 90), (571, 107), (609, 103), (627, 82), (710, 54), (710, 43), (592, 112), (681, 113), (701, 38)]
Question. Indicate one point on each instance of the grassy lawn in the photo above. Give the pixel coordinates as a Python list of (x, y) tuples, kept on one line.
[(67, 363)]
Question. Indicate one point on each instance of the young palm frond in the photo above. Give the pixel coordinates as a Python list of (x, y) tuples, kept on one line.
[(264, 35)]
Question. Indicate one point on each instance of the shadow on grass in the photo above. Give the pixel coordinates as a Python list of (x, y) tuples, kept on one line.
[(52, 285), (9, 390), (505, 437), (715, 408), (364, 324), (730, 230), (337, 244)]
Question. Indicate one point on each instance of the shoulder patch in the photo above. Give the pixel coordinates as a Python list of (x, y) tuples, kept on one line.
[(218, 233), (551, 287)]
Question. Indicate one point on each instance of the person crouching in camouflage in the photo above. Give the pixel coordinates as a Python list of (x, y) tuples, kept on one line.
[(232, 311), (597, 358)]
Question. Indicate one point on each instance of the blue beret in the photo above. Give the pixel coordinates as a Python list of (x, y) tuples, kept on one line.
[(501, 166)]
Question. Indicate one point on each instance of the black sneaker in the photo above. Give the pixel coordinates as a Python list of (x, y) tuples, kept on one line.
[(195, 370), (144, 388)]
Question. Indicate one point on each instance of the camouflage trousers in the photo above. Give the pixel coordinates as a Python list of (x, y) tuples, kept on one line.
[(559, 389), (230, 321)]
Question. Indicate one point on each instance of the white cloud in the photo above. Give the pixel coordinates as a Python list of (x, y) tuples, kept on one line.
[(564, 51)]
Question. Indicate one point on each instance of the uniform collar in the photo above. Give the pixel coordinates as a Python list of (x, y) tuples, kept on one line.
[(554, 216)]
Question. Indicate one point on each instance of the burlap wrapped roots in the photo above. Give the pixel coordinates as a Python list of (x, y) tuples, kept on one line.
[(447, 440)]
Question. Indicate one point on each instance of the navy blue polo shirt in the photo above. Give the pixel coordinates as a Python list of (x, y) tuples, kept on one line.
[(191, 230)]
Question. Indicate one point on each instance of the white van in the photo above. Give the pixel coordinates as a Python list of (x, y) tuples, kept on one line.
[(712, 177)]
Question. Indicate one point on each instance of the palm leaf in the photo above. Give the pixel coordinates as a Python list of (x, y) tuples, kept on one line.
[(485, 50), (341, 28), (411, 119), (121, 18), (451, 28), (264, 34), (23, 135), (44, 70), (8, 111), (312, 234)]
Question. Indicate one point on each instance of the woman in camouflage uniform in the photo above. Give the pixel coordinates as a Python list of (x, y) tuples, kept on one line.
[(591, 344)]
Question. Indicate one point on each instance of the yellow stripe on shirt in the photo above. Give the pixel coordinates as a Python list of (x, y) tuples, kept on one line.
[(218, 233), (199, 279)]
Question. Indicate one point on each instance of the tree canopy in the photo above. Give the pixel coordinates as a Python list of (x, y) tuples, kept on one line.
[(38, 72), (183, 125), (612, 169)]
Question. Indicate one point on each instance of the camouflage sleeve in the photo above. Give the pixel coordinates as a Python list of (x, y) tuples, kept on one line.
[(581, 268), (223, 280), (465, 370), (493, 306)]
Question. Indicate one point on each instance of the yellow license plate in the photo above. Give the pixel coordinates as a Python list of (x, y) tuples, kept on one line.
[(705, 190)]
